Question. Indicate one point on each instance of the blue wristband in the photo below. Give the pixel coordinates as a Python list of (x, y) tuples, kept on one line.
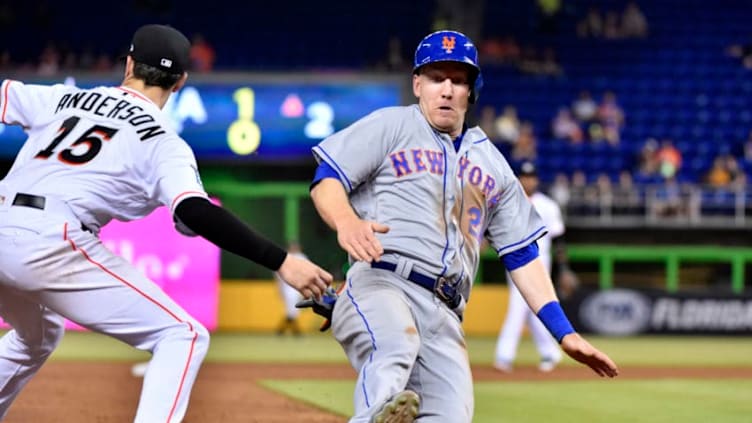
[(555, 320)]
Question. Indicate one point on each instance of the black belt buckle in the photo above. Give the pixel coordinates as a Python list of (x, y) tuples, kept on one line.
[(447, 291)]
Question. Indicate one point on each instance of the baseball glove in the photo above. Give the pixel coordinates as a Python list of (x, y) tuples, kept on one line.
[(322, 306)]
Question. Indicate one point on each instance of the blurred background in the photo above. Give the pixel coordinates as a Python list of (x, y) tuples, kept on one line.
[(637, 113)]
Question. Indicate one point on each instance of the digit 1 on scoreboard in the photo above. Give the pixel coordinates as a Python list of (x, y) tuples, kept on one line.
[(244, 135)]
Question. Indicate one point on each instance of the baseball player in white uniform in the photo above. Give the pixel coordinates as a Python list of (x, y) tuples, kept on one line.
[(518, 312), (93, 155), (411, 191)]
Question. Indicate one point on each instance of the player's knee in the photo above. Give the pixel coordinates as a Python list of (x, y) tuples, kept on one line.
[(201, 344)]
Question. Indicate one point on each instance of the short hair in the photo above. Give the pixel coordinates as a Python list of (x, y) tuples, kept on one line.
[(155, 77)]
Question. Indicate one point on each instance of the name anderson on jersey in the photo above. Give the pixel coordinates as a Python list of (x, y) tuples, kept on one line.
[(106, 106)]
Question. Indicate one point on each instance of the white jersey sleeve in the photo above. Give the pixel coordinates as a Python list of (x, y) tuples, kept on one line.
[(550, 212), (20, 103), (176, 173)]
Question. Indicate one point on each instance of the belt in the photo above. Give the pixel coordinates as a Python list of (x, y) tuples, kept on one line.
[(28, 200), (35, 202), (440, 286)]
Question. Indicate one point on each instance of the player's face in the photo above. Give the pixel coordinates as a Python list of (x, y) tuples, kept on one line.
[(443, 91)]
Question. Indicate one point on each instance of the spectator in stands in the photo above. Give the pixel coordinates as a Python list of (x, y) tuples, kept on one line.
[(500, 51), (508, 125), (487, 122), (626, 195), (670, 200), (70, 61), (735, 170), (529, 61), (583, 198), (741, 51), (5, 60), (612, 27), (549, 65), (747, 148), (565, 127), (103, 63), (544, 63), (591, 25), (87, 58), (526, 146), (604, 190), (611, 116), (648, 165), (395, 59), (559, 190), (669, 159), (719, 176), (49, 60), (202, 54), (633, 22), (584, 107)]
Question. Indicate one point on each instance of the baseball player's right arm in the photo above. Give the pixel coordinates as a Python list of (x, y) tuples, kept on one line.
[(355, 235), (179, 186), (20, 103)]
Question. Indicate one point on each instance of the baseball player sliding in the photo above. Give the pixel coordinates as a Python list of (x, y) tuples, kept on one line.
[(411, 191), (91, 156)]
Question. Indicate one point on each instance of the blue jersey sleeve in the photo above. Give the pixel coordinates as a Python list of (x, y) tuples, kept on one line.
[(521, 257), (323, 171)]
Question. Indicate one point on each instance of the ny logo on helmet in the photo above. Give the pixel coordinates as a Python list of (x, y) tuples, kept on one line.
[(447, 43)]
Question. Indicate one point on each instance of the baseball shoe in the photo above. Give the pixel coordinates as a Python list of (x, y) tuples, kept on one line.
[(548, 364), (402, 408), (503, 366)]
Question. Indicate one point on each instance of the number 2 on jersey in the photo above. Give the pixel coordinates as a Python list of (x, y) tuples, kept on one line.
[(476, 218), (92, 139)]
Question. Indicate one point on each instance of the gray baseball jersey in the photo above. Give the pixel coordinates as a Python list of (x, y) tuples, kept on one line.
[(438, 203)]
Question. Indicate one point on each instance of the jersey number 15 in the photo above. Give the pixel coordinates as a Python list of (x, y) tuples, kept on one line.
[(91, 140)]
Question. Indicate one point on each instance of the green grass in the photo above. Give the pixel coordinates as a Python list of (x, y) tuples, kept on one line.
[(615, 401), (233, 347)]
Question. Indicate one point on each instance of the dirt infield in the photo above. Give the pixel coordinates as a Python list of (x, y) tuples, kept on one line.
[(66, 392)]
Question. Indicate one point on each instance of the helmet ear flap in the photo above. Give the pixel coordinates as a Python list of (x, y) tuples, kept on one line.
[(475, 91)]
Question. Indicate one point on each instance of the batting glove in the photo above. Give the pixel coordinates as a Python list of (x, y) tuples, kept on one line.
[(322, 306)]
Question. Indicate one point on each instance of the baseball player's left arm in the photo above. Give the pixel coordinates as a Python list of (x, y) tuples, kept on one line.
[(514, 227), (536, 288)]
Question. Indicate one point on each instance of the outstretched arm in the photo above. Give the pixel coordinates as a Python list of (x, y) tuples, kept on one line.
[(356, 236), (536, 287), (226, 231)]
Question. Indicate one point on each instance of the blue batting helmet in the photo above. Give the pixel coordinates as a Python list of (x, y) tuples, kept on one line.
[(450, 46)]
